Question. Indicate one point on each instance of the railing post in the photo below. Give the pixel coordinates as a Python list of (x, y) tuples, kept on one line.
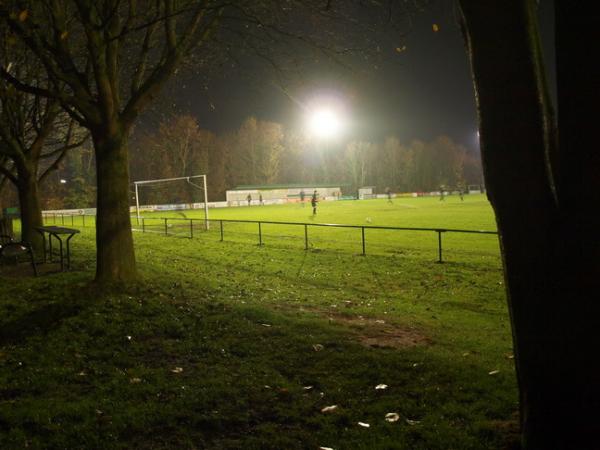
[(305, 237), (363, 241), (221, 230), (166, 230), (259, 234), (143, 225), (62, 217), (439, 232), (191, 228), (83, 216)]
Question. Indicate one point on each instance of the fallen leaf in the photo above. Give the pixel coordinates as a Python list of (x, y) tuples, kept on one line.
[(265, 325), (493, 372), (318, 347), (325, 448), (364, 424), (392, 417), (23, 15), (307, 388), (135, 380), (381, 386), (329, 408), (413, 422), (177, 370), (435, 27)]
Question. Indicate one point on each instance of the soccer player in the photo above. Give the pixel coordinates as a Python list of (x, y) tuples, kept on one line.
[(260, 199), (441, 193), (389, 194), (302, 195), (249, 198), (313, 202)]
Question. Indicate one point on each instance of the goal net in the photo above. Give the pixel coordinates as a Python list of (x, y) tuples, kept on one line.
[(171, 194)]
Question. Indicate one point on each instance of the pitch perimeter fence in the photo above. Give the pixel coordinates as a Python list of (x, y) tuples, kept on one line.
[(316, 236)]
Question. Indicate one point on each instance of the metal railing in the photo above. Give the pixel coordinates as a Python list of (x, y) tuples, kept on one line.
[(184, 227)]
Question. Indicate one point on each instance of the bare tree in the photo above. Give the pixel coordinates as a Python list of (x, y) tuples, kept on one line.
[(34, 137), (88, 46), (357, 156)]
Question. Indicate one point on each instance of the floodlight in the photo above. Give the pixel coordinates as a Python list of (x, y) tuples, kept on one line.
[(324, 123)]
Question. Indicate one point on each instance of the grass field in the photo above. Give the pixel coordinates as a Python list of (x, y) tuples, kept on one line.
[(230, 345), (474, 213)]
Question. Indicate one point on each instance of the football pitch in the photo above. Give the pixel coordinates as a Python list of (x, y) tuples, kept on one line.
[(472, 214)]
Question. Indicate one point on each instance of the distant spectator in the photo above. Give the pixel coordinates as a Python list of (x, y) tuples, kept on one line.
[(249, 198), (260, 199), (302, 196), (442, 198)]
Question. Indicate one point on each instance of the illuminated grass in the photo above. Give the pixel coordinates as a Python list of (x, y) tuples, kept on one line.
[(80, 370)]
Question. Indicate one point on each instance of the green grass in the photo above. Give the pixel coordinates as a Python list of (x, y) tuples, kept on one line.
[(84, 370)]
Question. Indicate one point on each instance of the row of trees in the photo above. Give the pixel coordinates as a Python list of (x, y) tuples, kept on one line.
[(263, 153)]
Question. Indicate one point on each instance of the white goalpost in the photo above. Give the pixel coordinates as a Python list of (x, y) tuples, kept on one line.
[(188, 180)]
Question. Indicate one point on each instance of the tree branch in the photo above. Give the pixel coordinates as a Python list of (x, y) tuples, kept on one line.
[(161, 73)]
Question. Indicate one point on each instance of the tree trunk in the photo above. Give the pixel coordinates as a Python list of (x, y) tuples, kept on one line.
[(551, 283), (30, 207), (114, 241)]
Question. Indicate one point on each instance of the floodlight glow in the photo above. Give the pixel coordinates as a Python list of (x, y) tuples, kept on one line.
[(325, 123)]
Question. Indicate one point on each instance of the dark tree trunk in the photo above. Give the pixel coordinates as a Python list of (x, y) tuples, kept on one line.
[(114, 241), (30, 206), (551, 269)]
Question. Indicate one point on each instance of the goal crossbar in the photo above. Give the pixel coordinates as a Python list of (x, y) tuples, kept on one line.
[(169, 179), (164, 180)]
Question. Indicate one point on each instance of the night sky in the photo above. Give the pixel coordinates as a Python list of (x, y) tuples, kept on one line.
[(421, 92)]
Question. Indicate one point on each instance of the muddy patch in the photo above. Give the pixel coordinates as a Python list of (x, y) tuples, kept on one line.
[(378, 333), (371, 332)]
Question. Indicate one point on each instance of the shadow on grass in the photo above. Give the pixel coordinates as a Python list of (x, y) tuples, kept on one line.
[(39, 321)]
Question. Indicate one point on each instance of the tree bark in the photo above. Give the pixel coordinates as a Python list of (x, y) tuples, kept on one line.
[(114, 240), (30, 206), (550, 278)]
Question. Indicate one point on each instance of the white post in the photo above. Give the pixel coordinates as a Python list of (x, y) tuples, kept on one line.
[(206, 224), (137, 204)]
